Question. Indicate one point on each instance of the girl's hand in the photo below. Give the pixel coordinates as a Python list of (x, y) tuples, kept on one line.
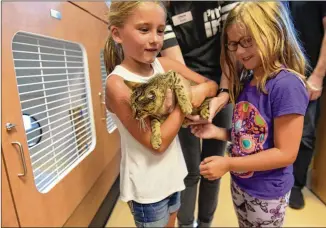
[(204, 131), (196, 119), (198, 95), (214, 167), (316, 86)]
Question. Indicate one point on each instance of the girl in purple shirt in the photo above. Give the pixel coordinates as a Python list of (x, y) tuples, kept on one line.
[(265, 65)]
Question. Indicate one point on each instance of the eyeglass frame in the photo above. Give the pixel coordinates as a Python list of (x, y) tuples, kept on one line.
[(239, 42)]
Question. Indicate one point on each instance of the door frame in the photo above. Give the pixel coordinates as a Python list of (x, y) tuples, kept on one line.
[(54, 207)]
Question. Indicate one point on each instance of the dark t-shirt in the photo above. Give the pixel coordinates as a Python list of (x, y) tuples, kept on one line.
[(308, 21), (197, 27)]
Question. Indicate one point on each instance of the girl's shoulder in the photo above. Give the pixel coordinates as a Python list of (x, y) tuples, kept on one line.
[(115, 87), (287, 85), (288, 94), (114, 79), (286, 79)]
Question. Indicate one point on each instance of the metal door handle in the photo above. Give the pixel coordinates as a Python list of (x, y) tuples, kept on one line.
[(22, 157), (103, 103)]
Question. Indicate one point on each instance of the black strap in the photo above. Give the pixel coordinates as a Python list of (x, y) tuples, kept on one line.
[(222, 90)]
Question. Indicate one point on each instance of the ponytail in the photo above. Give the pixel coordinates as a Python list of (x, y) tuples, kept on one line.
[(113, 54)]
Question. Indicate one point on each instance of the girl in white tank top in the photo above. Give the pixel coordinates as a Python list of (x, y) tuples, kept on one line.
[(149, 179), (140, 181)]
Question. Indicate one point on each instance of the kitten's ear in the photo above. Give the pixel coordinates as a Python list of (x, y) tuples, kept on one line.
[(132, 85)]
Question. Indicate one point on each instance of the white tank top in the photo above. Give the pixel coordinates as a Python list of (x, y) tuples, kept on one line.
[(147, 177)]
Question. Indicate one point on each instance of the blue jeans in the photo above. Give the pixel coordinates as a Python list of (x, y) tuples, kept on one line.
[(155, 214)]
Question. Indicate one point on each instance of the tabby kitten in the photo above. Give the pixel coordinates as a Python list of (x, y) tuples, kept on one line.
[(147, 99)]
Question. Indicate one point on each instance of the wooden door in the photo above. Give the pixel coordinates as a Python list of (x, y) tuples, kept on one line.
[(98, 9), (8, 217), (54, 207), (319, 168)]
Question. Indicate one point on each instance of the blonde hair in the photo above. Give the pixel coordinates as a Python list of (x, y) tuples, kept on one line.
[(118, 13), (272, 29)]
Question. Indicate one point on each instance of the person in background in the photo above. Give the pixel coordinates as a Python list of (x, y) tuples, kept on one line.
[(310, 21), (193, 37)]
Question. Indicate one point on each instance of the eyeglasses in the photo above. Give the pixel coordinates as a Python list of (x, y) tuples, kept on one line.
[(244, 42)]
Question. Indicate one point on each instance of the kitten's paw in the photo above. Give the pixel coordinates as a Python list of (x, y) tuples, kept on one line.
[(186, 123), (186, 108), (204, 113), (156, 142)]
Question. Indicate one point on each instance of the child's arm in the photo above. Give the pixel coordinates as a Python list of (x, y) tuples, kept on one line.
[(222, 99), (287, 135), (205, 87), (118, 101), (316, 78), (210, 131)]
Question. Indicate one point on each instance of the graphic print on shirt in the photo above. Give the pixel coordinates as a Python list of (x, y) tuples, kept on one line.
[(212, 21), (249, 133), (214, 18)]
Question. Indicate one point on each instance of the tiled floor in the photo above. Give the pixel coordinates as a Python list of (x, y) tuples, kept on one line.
[(313, 215)]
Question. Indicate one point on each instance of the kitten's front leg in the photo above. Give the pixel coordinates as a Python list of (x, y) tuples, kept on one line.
[(182, 95), (156, 139), (204, 109)]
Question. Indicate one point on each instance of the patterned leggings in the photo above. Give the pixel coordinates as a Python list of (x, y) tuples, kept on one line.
[(253, 212)]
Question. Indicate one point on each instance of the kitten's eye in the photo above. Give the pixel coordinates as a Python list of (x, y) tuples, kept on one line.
[(151, 95)]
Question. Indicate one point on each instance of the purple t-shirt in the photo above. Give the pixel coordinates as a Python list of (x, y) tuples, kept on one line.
[(252, 131)]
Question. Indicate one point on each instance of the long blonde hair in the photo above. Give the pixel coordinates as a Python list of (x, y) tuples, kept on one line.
[(118, 13), (272, 29)]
